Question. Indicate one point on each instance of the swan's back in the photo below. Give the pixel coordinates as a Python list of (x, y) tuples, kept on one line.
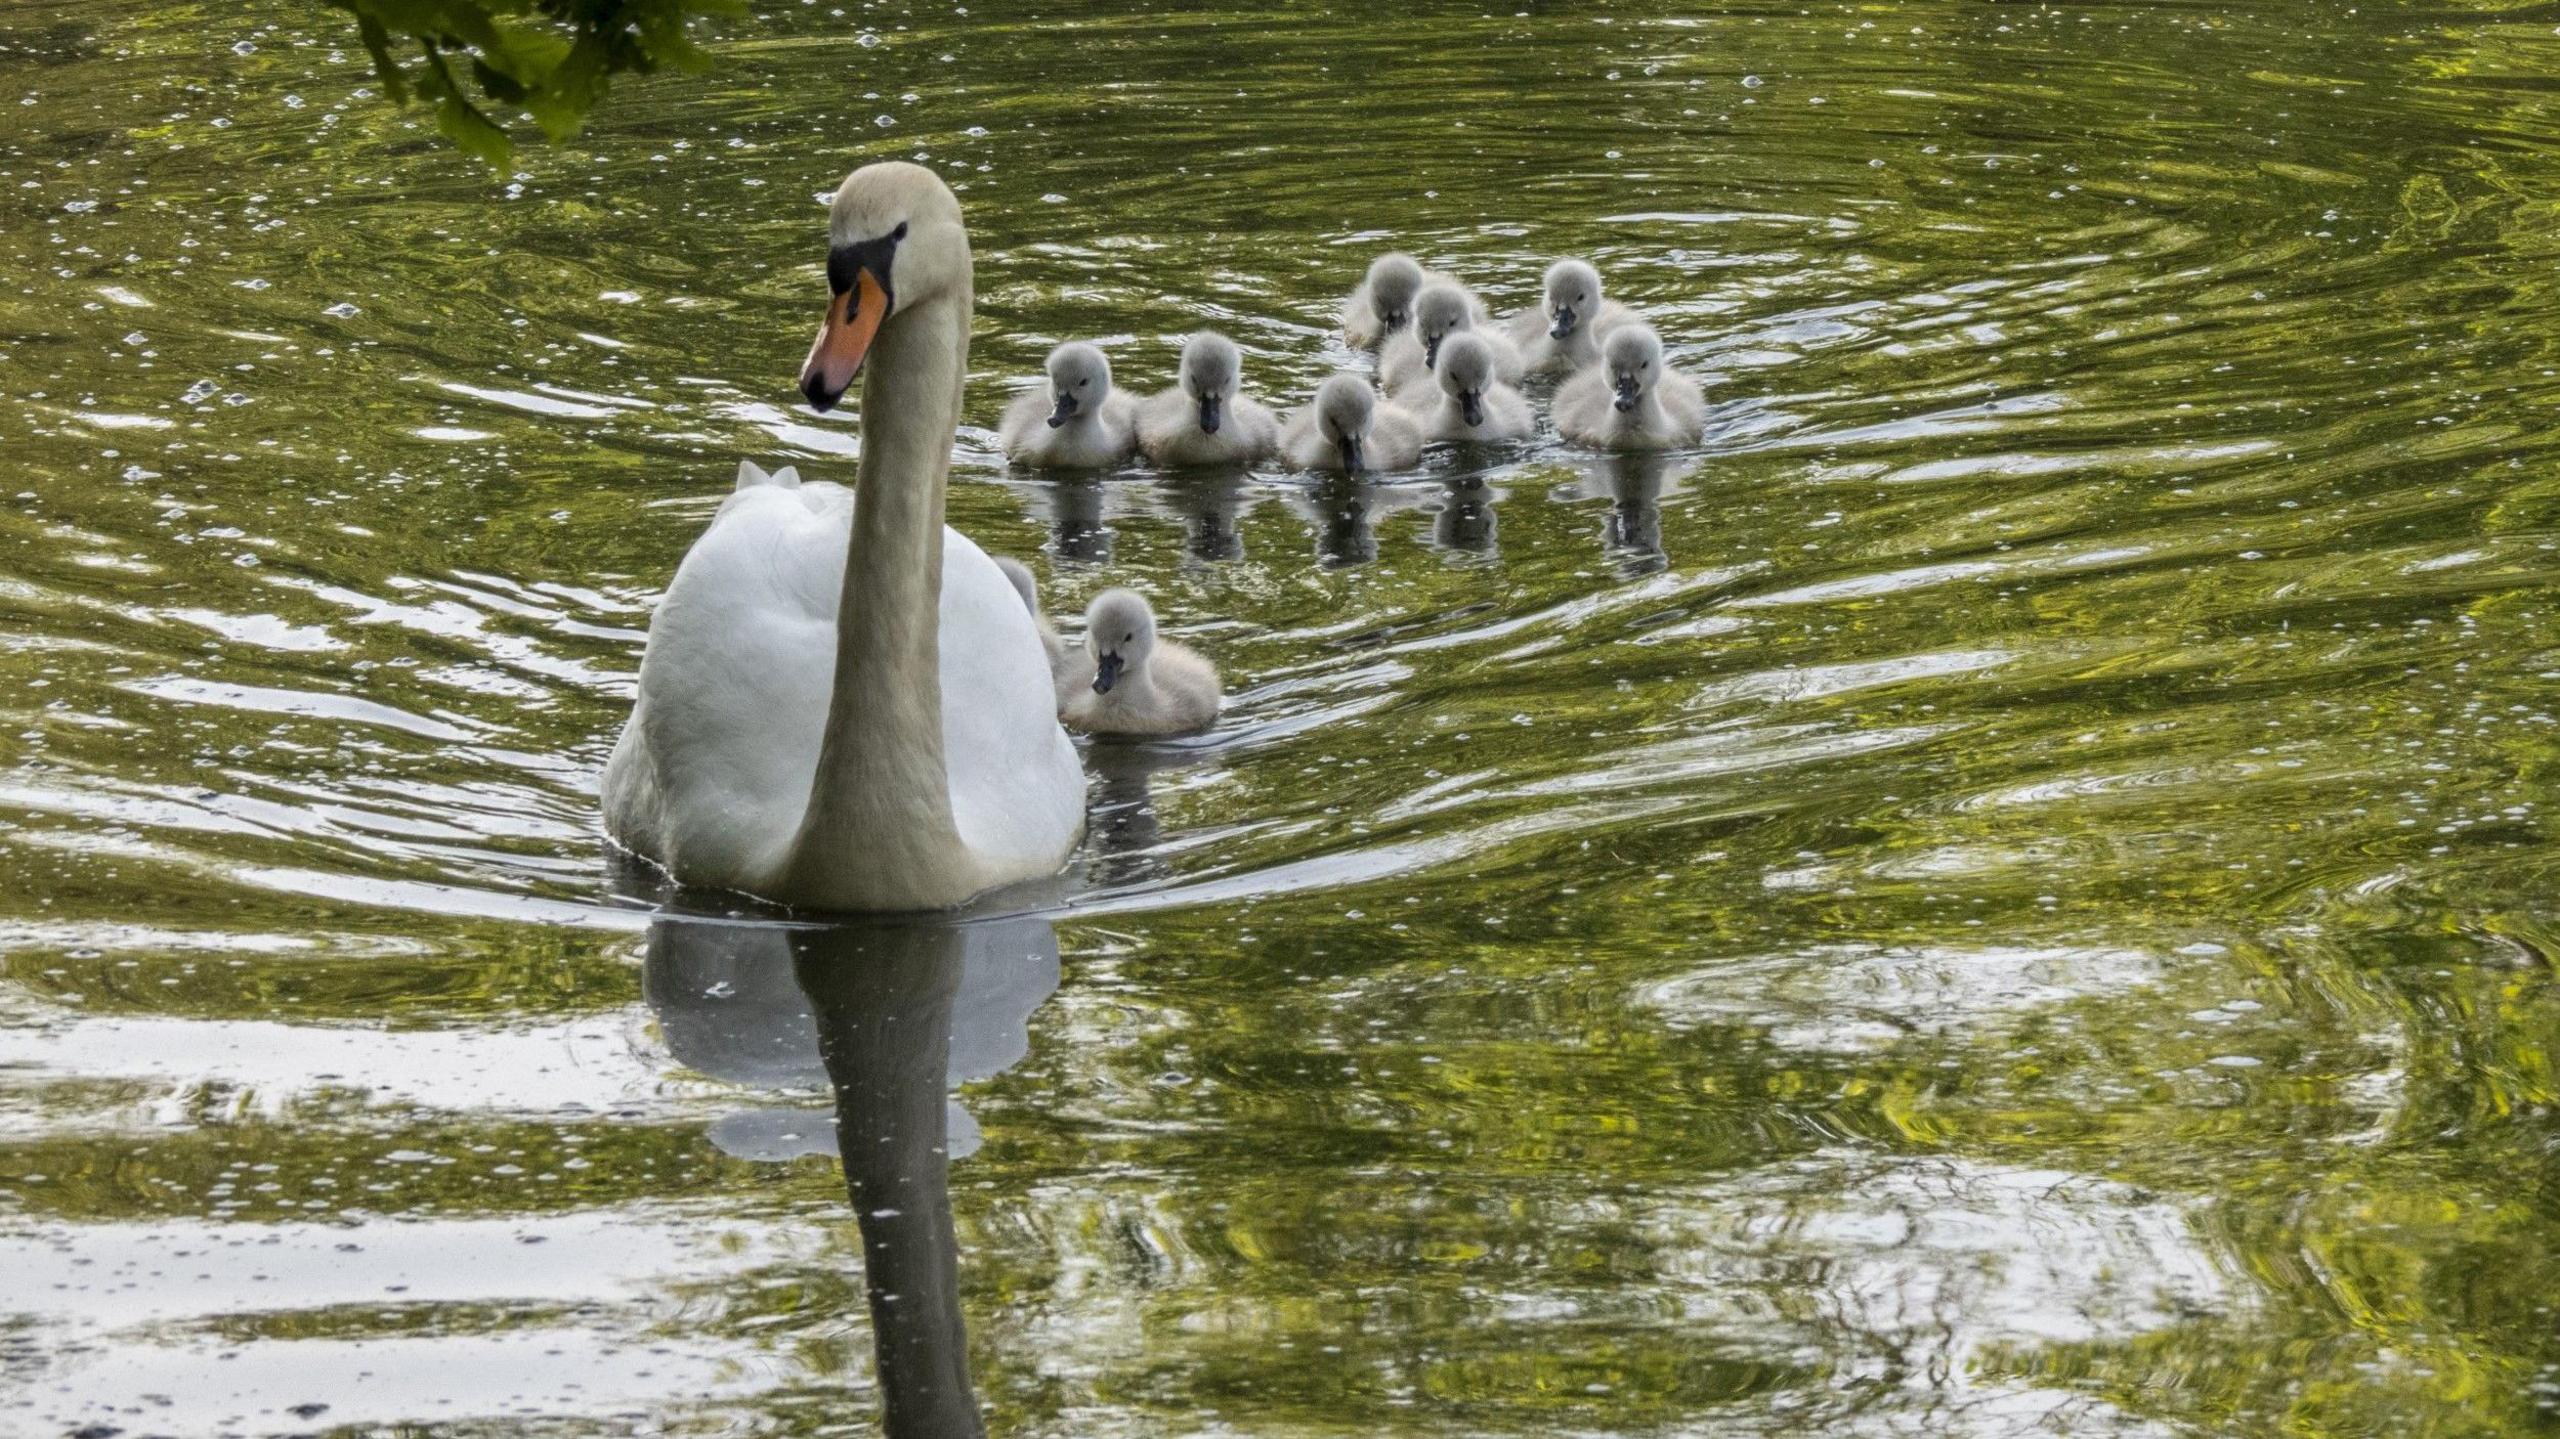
[(711, 778)]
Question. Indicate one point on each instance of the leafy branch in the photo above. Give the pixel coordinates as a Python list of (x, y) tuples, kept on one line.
[(551, 60)]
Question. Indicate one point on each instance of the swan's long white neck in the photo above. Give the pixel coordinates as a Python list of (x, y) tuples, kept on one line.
[(879, 832)]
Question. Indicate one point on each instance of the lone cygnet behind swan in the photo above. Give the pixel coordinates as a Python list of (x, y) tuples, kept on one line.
[(1471, 402), (1407, 360), (1061, 659), (1632, 399), (1076, 421), (843, 704), (1563, 334), (1134, 683), (1207, 419), (1350, 430)]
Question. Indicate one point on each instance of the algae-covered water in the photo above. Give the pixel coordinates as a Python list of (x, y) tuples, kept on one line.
[(2009, 893)]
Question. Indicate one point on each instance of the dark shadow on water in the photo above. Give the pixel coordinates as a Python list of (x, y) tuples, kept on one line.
[(887, 1016)]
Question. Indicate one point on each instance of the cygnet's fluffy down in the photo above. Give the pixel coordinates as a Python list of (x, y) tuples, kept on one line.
[(1207, 419), (1349, 430), (1075, 420), (1471, 402), (1562, 334), (1632, 399), (1406, 362), (1382, 304), (1062, 660), (1133, 682)]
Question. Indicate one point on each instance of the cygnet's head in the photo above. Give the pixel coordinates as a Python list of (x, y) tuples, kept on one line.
[(1632, 355), (1393, 282), (1019, 576), (1573, 296), (1119, 631), (1211, 366), (1080, 379), (1344, 408), (1441, 311), (1466, 372)]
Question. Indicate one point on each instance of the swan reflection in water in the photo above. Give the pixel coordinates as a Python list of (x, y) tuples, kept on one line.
[(887, 1015)]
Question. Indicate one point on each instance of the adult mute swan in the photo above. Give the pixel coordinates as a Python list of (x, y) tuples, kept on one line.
[(843, 704)]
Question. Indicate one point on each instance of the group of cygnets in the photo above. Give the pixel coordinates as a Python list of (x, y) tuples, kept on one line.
[(1447, 372)]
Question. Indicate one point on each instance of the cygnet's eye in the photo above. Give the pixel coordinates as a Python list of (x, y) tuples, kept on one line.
[(1081, 384)]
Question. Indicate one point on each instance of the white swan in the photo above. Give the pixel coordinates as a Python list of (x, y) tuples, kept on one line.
[(1632, 399), (843, 705), (1471, 402), (1383, 302), (1406, 361), (1076, 421), (1349, 429), (1206, 419), (1563, 334), (1133, 683)]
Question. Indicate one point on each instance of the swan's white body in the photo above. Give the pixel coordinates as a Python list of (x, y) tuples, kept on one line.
[(842, 705)]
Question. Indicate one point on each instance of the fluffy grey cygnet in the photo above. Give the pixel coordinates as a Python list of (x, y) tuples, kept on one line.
[(1206, 419), (1408, 358), (1133, 682), (1563, 333), (1383, 302), (1471, 402), (1075, 421), (1632, 399), (1062, 660), (1350, 430)]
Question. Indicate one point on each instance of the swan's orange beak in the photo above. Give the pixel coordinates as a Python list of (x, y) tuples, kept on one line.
[(853, 320)]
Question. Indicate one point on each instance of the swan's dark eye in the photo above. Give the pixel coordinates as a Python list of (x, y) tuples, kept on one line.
[(899, 233), (1081, 384)]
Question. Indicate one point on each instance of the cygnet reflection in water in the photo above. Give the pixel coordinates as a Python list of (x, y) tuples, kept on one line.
[(887, 1015), (1633, 483), (1465, 521)]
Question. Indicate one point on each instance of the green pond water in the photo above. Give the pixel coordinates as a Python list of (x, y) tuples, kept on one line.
[(2008, 893)]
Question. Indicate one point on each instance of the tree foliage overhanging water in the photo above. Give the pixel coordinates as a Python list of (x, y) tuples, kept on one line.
[(2009, 893)]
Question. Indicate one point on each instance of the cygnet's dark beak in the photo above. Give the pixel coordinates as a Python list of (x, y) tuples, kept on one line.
[(1394, 319), (1106, 673), (1066, 409), (1626, 392), (1350, 447), (1564, 323), (1431, 352), (1471, 404), (1209, 413)]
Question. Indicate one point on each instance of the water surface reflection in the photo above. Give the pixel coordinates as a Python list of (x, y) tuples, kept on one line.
[(890, 1016)]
